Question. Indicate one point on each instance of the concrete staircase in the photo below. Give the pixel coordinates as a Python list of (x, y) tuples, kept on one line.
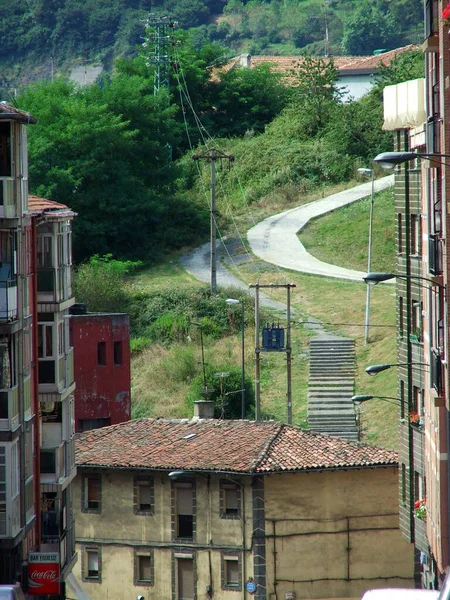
[(331, 386)]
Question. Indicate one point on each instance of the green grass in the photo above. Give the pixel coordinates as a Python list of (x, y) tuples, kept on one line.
[(158, 390), (342, 237)]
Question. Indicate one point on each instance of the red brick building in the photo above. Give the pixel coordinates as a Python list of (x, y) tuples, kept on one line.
[(102, 368)]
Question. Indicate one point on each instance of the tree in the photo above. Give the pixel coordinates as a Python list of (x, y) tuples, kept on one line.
[(368, 28), (246, 99), (316, 93), (106, 152)]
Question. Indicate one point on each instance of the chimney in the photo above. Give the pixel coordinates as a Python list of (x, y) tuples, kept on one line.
[(204, 409)]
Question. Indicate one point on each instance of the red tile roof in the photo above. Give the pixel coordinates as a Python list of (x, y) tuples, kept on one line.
[(345, 64), (11, 112), (49, 207), (222, 445), (40, 204)]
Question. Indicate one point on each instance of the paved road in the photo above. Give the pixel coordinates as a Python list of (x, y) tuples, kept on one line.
[(275, 239)]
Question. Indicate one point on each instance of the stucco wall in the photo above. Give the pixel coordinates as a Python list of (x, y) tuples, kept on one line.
[(119, 532), (328, 535), (335, 534)]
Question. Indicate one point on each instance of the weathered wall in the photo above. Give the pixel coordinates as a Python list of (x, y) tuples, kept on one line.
[(119, 532), (335, 534), (103, 391)]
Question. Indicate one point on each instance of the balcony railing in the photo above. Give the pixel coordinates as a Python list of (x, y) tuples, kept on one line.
[(420, 535), (8, 299)]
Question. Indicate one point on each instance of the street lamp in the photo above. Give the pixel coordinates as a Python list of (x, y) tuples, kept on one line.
[(388, 160), (233, 302), (375, 278), (369, 172), (375, 369), (365, 397)]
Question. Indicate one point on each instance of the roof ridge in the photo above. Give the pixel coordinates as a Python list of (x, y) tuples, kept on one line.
[(265, 453)]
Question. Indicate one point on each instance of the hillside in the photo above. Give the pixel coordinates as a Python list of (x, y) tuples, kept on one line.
[(42, 39)]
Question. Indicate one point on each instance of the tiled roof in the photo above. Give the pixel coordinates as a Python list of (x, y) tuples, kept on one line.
[(10, 112), (221, 445), (36, 204), (344, 64), (49, 207)]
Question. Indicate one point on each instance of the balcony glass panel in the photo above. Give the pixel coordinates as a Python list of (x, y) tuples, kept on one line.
[(46, 280), (46, 371)]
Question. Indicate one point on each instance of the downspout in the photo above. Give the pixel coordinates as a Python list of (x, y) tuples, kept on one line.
[(35, 374)]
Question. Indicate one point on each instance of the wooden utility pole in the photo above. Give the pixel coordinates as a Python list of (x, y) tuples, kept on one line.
[(287, 349), (211, 156)]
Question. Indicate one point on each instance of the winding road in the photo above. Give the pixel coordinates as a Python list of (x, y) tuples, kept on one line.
[(275, 241)]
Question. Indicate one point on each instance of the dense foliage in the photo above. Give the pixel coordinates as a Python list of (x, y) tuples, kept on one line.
[(41, 38), (116, 153)]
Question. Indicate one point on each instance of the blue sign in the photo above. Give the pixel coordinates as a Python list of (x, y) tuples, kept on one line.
[(250, 586)]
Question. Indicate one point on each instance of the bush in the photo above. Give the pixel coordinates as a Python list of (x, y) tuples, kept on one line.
[(100, 283), (223, 383)]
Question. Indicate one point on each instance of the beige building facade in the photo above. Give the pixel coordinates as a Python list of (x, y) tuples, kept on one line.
[(185, 531)]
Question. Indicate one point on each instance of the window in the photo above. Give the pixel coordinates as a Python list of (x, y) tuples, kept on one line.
[(91, 494), (416, 318), (399, 233), (230, 500), (101, 353), (231, 571), (415, 241), (400, 317), (184, 510), (44, 251), (185, 578), (89, 424), (143, 495), (91, 564), (117, 353), (5, 150), (143, 567)]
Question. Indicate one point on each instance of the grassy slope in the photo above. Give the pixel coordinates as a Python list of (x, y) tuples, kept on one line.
[(158, 385)]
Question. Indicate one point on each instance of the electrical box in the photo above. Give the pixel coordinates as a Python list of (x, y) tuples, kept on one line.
[(273, 337)]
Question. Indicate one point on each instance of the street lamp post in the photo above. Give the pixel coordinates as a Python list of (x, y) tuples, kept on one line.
[(231, 302), (369, 172), (366, 397)]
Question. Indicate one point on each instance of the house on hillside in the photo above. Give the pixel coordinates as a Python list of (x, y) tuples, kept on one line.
[(356, 73), (201, 508)]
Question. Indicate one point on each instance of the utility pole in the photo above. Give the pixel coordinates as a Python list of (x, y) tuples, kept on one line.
[(159, 40), (211, 156), (287, 349)]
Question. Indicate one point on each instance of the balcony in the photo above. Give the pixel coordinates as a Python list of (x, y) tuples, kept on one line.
[(56, 376), (58, 464), (7, 205), (8, 299), (9, 409), (54, 284)]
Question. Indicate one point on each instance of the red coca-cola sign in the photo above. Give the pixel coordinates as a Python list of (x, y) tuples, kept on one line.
[(43, 573)]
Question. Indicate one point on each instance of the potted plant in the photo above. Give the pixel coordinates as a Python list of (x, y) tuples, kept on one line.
[(415, 419), (446, 15), (420, 509)]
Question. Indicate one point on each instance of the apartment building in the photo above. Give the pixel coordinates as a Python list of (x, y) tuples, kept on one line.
[(36, 389), (418, 113), (195, 508)]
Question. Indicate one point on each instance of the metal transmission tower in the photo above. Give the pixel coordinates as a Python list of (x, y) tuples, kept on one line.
[(159, 42)]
